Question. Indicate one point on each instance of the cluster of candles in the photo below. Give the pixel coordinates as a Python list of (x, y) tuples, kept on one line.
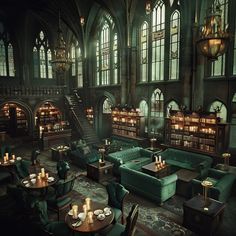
[(6, 157), (159, 162), (42, 174), (87, 211)]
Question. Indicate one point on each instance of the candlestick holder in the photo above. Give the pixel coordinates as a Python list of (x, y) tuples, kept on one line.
[(102, 160), (226, 157), (206, 185)]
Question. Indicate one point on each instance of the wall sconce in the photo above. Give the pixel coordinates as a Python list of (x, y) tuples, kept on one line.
[(82, 21), (148, 7), (213, 38)]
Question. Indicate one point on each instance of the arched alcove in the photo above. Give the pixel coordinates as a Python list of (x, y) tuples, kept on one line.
[(15, 119)]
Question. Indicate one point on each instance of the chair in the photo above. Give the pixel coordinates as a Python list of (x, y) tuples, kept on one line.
[(62, 169), (40, 222), (222, 184), (127, 230), (116, 195), (22, 168), (60, 198)]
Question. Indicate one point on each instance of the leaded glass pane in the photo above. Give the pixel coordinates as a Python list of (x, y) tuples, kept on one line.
[(3, 66), (11, 61)]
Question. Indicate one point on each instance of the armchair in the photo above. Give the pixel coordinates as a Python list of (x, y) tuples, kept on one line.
[(129, 228), (62, 169), (222, 184), (116, 195), (60, 198)]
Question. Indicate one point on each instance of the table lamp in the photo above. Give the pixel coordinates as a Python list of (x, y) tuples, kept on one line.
[(226, 157), (206, 185)]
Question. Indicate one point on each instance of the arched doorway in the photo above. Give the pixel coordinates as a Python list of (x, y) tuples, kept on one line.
[(104, 128), (14, 119)]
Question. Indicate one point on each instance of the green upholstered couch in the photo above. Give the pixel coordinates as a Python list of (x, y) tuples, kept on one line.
[(180, 159), (158, 190), (222, 184), (137, 156), (81, 154)]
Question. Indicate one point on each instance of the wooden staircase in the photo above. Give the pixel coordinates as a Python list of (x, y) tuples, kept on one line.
[(79, 120)]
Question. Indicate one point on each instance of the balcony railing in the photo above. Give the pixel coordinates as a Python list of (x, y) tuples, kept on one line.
[(32, 91)]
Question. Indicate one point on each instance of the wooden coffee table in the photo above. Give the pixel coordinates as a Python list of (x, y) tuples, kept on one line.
[(201, 216), (183, 185), (99, 172), (151, 169)]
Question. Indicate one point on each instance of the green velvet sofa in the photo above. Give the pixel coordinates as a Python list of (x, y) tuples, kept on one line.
[(180, 159), (81, 154), (222, 184), (136, 156), (158, 190)]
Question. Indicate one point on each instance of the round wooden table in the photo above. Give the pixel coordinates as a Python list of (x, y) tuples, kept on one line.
[(10, 166), (40, 187), (87, 227), (40, 183)]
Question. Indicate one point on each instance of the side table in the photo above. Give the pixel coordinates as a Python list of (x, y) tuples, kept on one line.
[(99, 172), (201, 218)]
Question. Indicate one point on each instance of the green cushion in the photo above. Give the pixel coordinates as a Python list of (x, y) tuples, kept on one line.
[(117, 229), (212, 180)]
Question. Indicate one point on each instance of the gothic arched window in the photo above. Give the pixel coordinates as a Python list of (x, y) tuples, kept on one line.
[(157, 104), (7, 66), (77, 63), (144, 52), (218, 66), (42, 57), (107, 59), (174, 46)]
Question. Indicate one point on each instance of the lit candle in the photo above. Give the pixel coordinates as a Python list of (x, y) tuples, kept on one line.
[(13, 157), (164, 162), (42, 172), (156, 159), (75, 211), (159, 158), (90, 217), (87, 202), (106, 141), (85, 209)]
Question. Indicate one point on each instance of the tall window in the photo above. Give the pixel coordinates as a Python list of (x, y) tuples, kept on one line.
[(234, 59), (218, 66), (157, 104), (105, 57), (143, 106), (107, 62), (7, 67), (106, 107), (77, 63), (174, 46), (42, 57), (158, 41), (115, 62), (144, 52)]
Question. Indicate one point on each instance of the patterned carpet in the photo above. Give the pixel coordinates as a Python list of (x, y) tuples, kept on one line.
[(152, 220)]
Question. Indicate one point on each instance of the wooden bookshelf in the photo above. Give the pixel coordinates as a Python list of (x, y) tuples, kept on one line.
[(196, 131), (13, 120), (127, 123)]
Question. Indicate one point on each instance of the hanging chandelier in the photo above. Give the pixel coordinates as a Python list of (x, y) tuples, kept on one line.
[(61, 62), (213, 38)]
